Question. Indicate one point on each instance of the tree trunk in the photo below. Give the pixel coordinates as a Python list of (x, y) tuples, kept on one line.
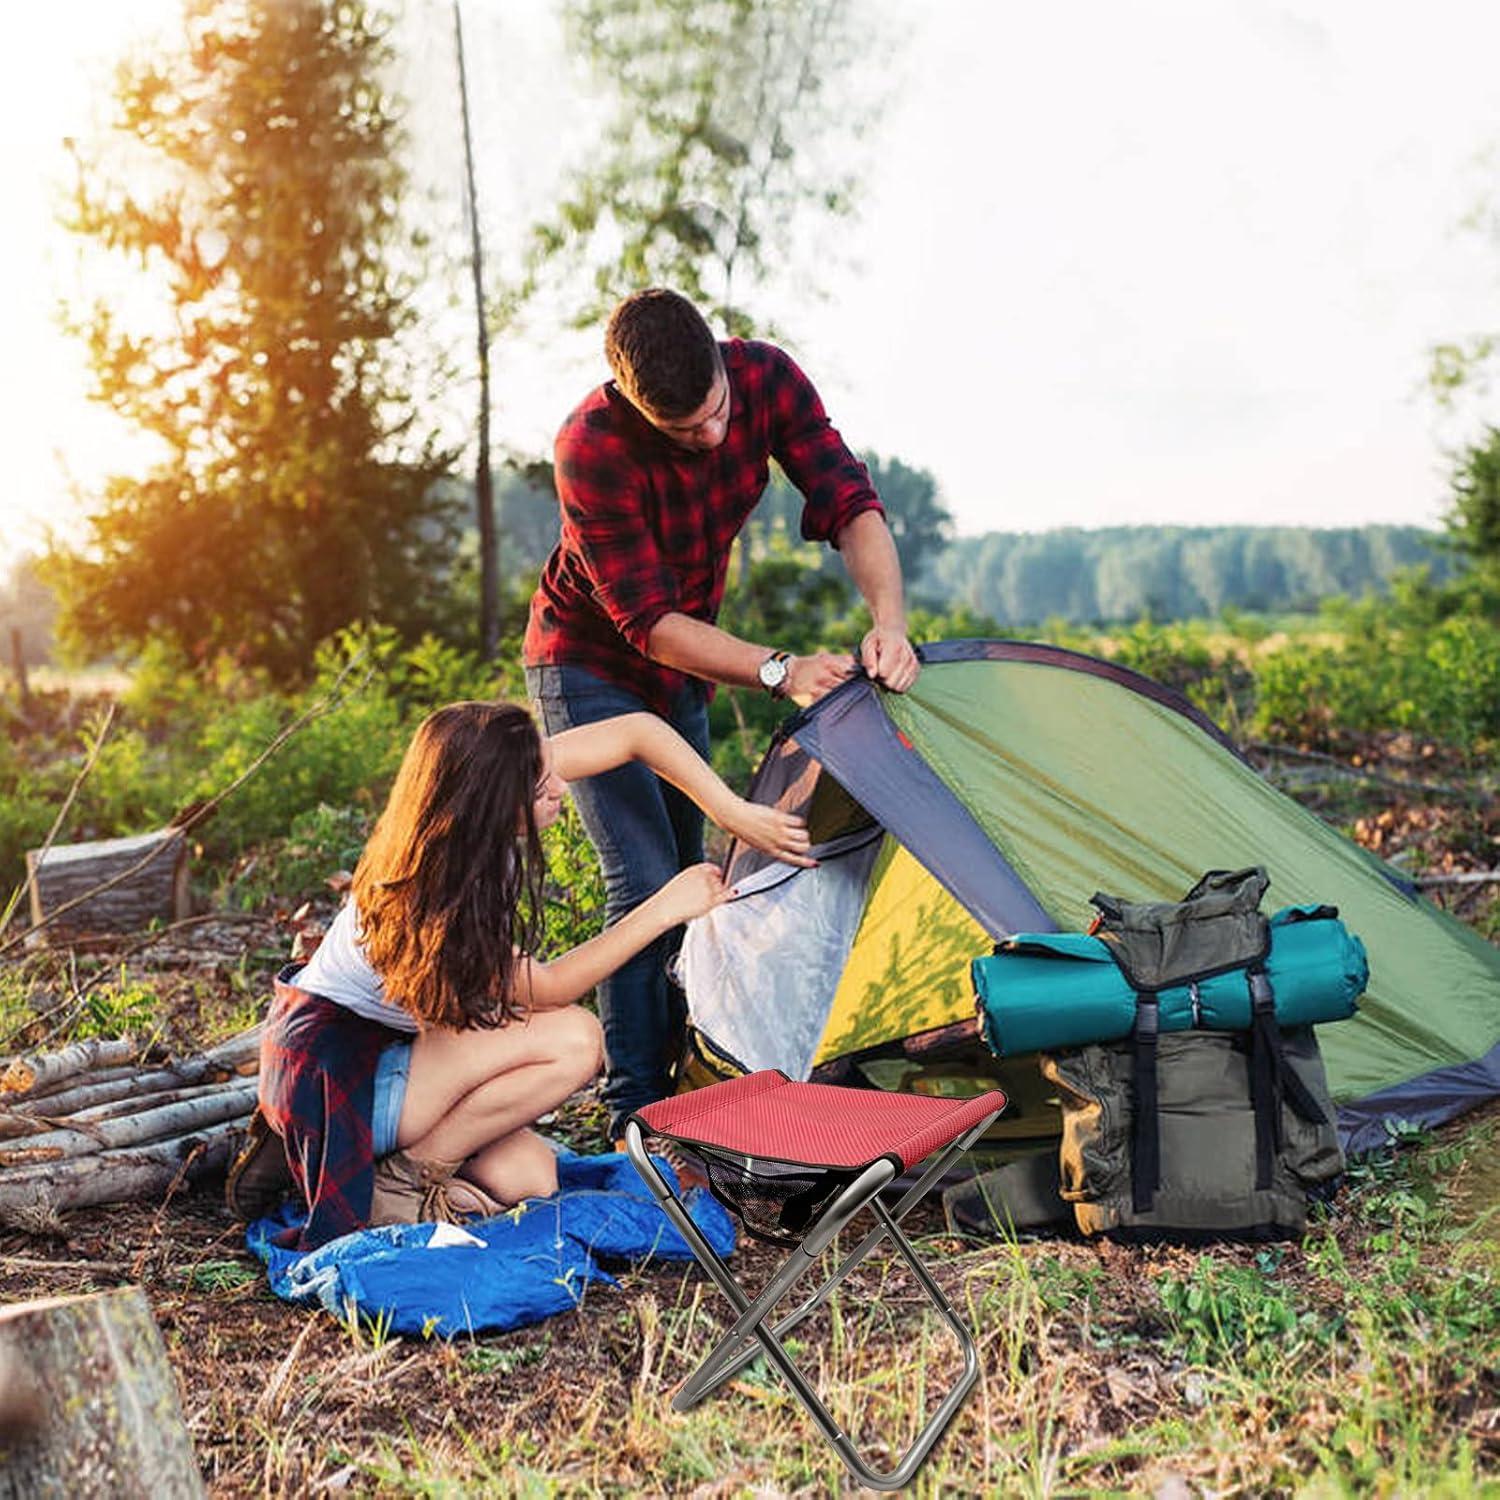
[(484, 479), (18, 665), (105, 1419), (159, 889)]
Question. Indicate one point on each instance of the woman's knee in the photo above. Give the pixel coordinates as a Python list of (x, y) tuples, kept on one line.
[(533, 1176), (576, 1037)]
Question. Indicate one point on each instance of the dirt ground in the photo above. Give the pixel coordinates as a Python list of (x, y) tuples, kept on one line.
[(282, 1401)]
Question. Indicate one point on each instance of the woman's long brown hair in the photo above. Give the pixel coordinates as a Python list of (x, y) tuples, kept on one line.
[(448, 890)]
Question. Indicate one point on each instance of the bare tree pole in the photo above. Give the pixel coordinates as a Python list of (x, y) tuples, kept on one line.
[(18, 663), (484, 484)]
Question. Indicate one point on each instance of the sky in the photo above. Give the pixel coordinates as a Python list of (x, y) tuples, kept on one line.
[(1157, 263)]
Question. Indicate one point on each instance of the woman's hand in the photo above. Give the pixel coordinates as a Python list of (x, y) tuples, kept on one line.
[(698, 889), (781, 835)]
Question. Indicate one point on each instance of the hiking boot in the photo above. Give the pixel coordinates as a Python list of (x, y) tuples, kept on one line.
[(410, 1191), (259, 1180)]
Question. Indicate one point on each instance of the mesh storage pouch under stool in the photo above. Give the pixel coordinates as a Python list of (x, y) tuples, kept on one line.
[(796, 1162)]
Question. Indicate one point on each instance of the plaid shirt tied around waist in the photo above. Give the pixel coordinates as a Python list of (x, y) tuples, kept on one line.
[(317, 1091), (647, 524)]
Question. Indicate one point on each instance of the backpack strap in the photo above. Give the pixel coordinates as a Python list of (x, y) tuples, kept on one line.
[(1145, 1145), (1272, 1080)]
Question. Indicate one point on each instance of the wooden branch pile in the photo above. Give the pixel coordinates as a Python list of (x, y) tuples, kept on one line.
[(111, 1122)]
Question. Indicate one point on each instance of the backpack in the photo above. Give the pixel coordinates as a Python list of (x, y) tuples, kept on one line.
[(1179, 1038)]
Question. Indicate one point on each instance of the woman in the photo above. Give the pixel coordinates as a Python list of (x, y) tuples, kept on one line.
[(403, 1068)]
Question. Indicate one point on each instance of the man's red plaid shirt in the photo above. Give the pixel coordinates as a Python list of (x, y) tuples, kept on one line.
[(647, 525)]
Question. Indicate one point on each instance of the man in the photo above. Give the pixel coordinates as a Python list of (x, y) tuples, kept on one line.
[(656, 472)]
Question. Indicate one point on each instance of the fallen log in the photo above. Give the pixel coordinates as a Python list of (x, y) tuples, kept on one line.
[(239, 1050), (35, 1074), (84, 1138), (84, 1129), (237, 1056), (42, 1098), (190, 1072), (101, 1414), (14, 1123), (131, 1175), (137, 1103)]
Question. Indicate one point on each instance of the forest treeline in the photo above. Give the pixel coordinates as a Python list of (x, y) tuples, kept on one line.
[(1097, 576), (1172, 572), (1016, 579)]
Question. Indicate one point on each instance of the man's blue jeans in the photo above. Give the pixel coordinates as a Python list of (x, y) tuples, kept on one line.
[(645, 832)]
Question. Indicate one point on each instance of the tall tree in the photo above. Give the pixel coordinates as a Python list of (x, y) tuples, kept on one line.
[(1469, 366), (1474, 520), (727, 136), (484, 479), (295, 491), (920, 523)]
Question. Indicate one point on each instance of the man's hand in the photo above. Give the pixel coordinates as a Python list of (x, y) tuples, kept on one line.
[(889, 659), (808, 678), (779, 834)]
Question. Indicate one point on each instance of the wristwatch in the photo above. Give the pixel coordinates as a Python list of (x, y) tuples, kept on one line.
[(773, 673)]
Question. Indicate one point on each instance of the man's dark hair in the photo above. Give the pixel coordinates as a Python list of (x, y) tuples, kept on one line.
[(663, 354)]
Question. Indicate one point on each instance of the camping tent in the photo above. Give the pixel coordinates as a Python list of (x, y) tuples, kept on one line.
[(1008, 786)]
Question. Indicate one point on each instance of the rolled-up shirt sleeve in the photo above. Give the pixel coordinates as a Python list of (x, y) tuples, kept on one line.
[(602, 493), (835, 485)]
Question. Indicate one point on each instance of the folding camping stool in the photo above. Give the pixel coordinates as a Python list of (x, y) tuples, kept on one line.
[(796, 1162)]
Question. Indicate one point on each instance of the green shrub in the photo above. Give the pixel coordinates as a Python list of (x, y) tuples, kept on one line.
[(1398, 665), (575, 885), (320, 843)]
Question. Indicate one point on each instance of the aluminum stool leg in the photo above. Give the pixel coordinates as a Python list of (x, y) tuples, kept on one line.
[(733, 1353)]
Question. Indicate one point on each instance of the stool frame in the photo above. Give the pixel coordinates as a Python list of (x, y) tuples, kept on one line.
[(751, 1332)]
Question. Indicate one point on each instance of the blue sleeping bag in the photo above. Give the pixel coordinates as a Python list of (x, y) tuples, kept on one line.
[(493, 1274), (1047, 990)]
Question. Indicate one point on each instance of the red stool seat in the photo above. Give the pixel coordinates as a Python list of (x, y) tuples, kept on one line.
[(766, 1115)]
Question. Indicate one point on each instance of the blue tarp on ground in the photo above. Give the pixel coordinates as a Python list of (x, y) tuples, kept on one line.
[(493, 1274)]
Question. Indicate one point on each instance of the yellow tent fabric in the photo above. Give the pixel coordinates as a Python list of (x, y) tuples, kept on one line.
[(908, 968)]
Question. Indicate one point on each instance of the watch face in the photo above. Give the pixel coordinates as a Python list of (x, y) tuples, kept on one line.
[(773, 672)]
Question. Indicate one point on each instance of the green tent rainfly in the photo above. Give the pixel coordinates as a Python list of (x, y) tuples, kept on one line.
[(1008, 786)]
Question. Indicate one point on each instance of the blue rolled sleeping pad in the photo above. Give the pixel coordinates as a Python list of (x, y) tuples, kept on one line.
[(1045, 990)]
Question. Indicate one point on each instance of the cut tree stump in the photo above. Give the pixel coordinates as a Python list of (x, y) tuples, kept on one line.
[(101, 1406), (156, 891)]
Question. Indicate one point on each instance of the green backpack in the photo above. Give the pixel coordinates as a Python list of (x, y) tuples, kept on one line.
[(1180, 1131)]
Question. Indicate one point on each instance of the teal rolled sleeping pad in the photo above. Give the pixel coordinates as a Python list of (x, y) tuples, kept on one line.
[(1045, 990)]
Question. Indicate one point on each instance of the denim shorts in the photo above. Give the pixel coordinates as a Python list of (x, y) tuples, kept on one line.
[(391, 1073)]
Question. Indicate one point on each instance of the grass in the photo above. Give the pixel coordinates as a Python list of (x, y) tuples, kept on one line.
[(1361, 1361)]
